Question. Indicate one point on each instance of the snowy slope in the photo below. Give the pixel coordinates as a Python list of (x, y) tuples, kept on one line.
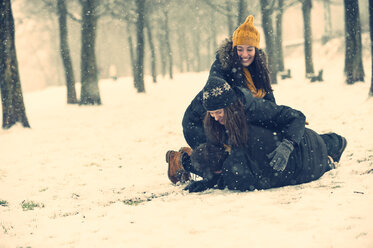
[(99, 173)]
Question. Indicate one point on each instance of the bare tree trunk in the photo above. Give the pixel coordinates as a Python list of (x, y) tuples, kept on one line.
[(152, 50), (209, 52), (328, 22), (65, 53), (11, 92), (139, 75), (168, 45), (181, 47), (242, 12), (229, 18), (306, 8), (162, 48), (213, 45), (196, 46), (90, 94), (196, 41), (278, 40), (269, 39), (354, 70), (183, 50), (187, 56), (132, 53), (371, 41), (214, 34)]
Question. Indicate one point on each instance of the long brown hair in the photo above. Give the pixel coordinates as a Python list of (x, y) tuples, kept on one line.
[(235, 128)]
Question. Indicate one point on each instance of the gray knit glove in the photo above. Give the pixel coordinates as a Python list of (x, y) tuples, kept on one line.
[(280, 156)]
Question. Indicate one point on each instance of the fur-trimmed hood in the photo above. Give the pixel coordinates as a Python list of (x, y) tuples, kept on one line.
[(225, 53)]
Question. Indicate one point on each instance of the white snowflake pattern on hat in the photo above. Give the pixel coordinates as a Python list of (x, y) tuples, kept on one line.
[(217, 91), (205, 95), (226, 86)]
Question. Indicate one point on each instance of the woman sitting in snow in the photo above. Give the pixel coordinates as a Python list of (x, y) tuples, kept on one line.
[(241, 63), (288, 121), (243, 156)]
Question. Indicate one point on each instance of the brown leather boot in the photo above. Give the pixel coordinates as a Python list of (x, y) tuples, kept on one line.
[(176, 172), (186, 149)]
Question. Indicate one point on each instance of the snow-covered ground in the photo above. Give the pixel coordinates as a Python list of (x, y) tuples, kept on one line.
[(99, 176)]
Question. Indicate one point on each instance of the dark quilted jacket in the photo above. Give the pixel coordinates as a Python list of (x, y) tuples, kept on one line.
[(249, 169), (289, 122)]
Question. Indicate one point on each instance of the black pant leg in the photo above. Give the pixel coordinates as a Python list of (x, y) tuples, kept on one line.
[(187, 164), (242, 173), (334, 145)]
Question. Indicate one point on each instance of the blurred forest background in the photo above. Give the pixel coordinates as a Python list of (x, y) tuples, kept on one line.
[(195, 29), (117, 38)]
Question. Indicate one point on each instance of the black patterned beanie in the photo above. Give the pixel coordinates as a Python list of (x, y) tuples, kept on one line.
[(217, 94)]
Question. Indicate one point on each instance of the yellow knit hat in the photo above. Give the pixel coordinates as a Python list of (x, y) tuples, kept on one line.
[(246, 34)]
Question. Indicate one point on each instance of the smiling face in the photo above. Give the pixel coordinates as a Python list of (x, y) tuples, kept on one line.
[(246, 54), (218, 115)]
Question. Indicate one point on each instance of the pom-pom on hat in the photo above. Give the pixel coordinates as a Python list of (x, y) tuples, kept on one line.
[(246, 34), (217, 94)]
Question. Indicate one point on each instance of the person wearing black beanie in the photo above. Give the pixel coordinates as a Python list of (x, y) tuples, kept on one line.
[(217, 94), (228, 115), (265, 145)]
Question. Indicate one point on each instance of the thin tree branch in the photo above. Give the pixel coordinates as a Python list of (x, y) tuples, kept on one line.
[(53, 8), (219, 8)]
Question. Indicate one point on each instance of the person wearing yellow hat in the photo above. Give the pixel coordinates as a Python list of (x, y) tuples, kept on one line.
[(240, 62)]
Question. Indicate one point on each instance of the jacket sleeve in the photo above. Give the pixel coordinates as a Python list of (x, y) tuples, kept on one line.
[(217, 70), (270, 97), (192, 123), (288, 121)]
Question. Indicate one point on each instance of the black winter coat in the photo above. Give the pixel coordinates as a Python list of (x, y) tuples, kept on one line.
[(249, 169), (230, 70), (289, 122)]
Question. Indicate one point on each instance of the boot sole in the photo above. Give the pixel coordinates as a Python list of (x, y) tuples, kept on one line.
[(168, 156), (168, 153), (174, 179), (344, 145)]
